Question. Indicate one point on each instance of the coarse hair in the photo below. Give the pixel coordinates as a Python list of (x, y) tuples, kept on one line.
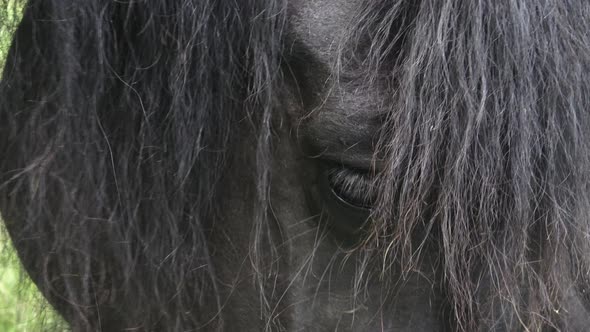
[(117, 120)]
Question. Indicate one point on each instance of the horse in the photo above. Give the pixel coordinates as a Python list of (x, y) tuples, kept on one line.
[(302, 165)]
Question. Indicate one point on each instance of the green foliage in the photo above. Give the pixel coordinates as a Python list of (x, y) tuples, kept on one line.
[(10, 11), (22, 308)]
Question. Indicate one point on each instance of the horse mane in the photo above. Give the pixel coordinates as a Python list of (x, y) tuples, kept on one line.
[(117, 120), (487, 153)]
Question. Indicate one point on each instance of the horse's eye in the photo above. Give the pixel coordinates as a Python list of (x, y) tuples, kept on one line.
[(348, 197), (353, 187)]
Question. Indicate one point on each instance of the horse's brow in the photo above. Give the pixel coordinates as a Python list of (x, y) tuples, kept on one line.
[(348, 140)]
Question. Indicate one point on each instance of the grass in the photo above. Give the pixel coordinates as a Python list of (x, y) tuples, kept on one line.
[(22, 308)]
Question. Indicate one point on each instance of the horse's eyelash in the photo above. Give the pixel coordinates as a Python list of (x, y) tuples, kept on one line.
[(356, 187)]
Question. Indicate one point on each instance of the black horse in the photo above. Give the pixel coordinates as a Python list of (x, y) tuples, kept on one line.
[(303, 165)]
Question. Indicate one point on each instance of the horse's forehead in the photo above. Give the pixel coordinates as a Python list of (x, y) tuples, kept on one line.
[(321, 24), (341, 117)]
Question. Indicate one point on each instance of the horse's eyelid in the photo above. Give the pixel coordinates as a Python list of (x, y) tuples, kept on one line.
[(352, 186)]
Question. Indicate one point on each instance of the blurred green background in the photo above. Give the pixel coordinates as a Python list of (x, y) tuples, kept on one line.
[(9, 14), (22, 308)]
